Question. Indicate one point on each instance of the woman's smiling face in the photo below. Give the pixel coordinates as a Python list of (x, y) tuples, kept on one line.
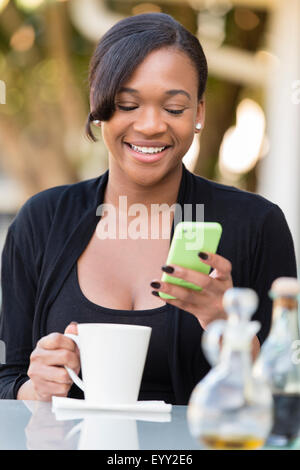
[(156, 113)]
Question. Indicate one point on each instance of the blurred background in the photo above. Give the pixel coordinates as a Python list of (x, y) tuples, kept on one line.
[(252, 133)]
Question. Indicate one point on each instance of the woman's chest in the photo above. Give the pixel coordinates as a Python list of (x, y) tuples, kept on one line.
[(117, 273)]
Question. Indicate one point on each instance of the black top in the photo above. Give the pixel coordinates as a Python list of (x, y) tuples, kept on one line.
[(156, 381), (54, 227)]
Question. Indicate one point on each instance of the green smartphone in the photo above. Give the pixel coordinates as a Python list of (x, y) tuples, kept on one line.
[(190, 238)]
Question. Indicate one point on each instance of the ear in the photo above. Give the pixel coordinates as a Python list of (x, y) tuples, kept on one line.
[(200, 115)]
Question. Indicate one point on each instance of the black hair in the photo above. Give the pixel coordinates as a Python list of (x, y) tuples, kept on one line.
[(125, 46)]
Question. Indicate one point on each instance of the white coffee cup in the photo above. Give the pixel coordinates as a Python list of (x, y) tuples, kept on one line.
[(112, 360)]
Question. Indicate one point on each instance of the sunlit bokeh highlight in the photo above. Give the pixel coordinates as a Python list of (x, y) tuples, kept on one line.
[(266, 57), (3, 4), (29, 4), (23, 38), (242, 144), (246, 19)]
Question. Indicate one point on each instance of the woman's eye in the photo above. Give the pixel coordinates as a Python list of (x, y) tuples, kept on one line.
[(131, 108), (126, 108), (175, 111)]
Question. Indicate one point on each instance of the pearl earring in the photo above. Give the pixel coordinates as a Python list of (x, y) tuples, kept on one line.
[(96, 121), (198, 126)]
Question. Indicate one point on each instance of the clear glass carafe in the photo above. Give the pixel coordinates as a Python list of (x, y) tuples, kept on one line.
[(279, 362), (230, 408)]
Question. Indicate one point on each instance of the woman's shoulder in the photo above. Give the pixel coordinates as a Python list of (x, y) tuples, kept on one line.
[(226, 198), (52, 197), (40, 210)]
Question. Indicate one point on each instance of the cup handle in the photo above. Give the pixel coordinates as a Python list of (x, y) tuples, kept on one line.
[(71, 373)]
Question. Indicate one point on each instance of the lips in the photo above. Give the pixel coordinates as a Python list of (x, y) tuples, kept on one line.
[(147, 150), (146, 157), (148, 143), (154, 148)]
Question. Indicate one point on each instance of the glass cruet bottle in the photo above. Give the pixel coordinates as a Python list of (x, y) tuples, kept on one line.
[(279, 362), (229, 408)]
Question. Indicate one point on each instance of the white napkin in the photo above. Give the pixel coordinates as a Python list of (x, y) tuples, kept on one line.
[(62, 414), (139, 406)]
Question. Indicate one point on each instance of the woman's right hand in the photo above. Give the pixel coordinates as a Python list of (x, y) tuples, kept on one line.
[(48, 376)]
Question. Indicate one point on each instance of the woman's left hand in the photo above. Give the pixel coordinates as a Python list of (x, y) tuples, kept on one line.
[(206, 304)]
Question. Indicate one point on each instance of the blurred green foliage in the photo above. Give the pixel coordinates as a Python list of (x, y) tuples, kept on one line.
[(42, 123)]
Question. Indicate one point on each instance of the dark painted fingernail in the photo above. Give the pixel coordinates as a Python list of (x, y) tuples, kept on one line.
[(167, 269), (154, 292), (203, 255), (154, 284)]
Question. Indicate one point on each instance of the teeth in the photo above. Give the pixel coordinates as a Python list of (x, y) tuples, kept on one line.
[(147, 149)]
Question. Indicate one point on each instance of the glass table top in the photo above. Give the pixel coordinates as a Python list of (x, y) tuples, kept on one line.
[(33, 425)]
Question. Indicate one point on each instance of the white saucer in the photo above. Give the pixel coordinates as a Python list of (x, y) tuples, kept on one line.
[(140, 406)]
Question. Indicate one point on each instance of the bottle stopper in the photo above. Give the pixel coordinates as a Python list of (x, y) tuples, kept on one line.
[(240, 303), (286, 287)]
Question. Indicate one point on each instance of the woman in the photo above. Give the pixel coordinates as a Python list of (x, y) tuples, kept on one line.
[(147, 80)]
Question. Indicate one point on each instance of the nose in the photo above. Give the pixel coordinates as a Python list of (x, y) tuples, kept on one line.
[(150, 122)]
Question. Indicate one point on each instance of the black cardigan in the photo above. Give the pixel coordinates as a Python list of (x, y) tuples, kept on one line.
[(53, 228)]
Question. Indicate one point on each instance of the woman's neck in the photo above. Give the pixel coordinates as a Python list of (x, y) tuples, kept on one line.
[(164, 191)]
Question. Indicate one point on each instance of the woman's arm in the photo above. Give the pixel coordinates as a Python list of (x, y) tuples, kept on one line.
[(274, 257), (27, 391), (16, 319)]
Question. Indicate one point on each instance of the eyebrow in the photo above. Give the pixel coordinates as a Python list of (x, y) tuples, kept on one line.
[(169, 92)]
